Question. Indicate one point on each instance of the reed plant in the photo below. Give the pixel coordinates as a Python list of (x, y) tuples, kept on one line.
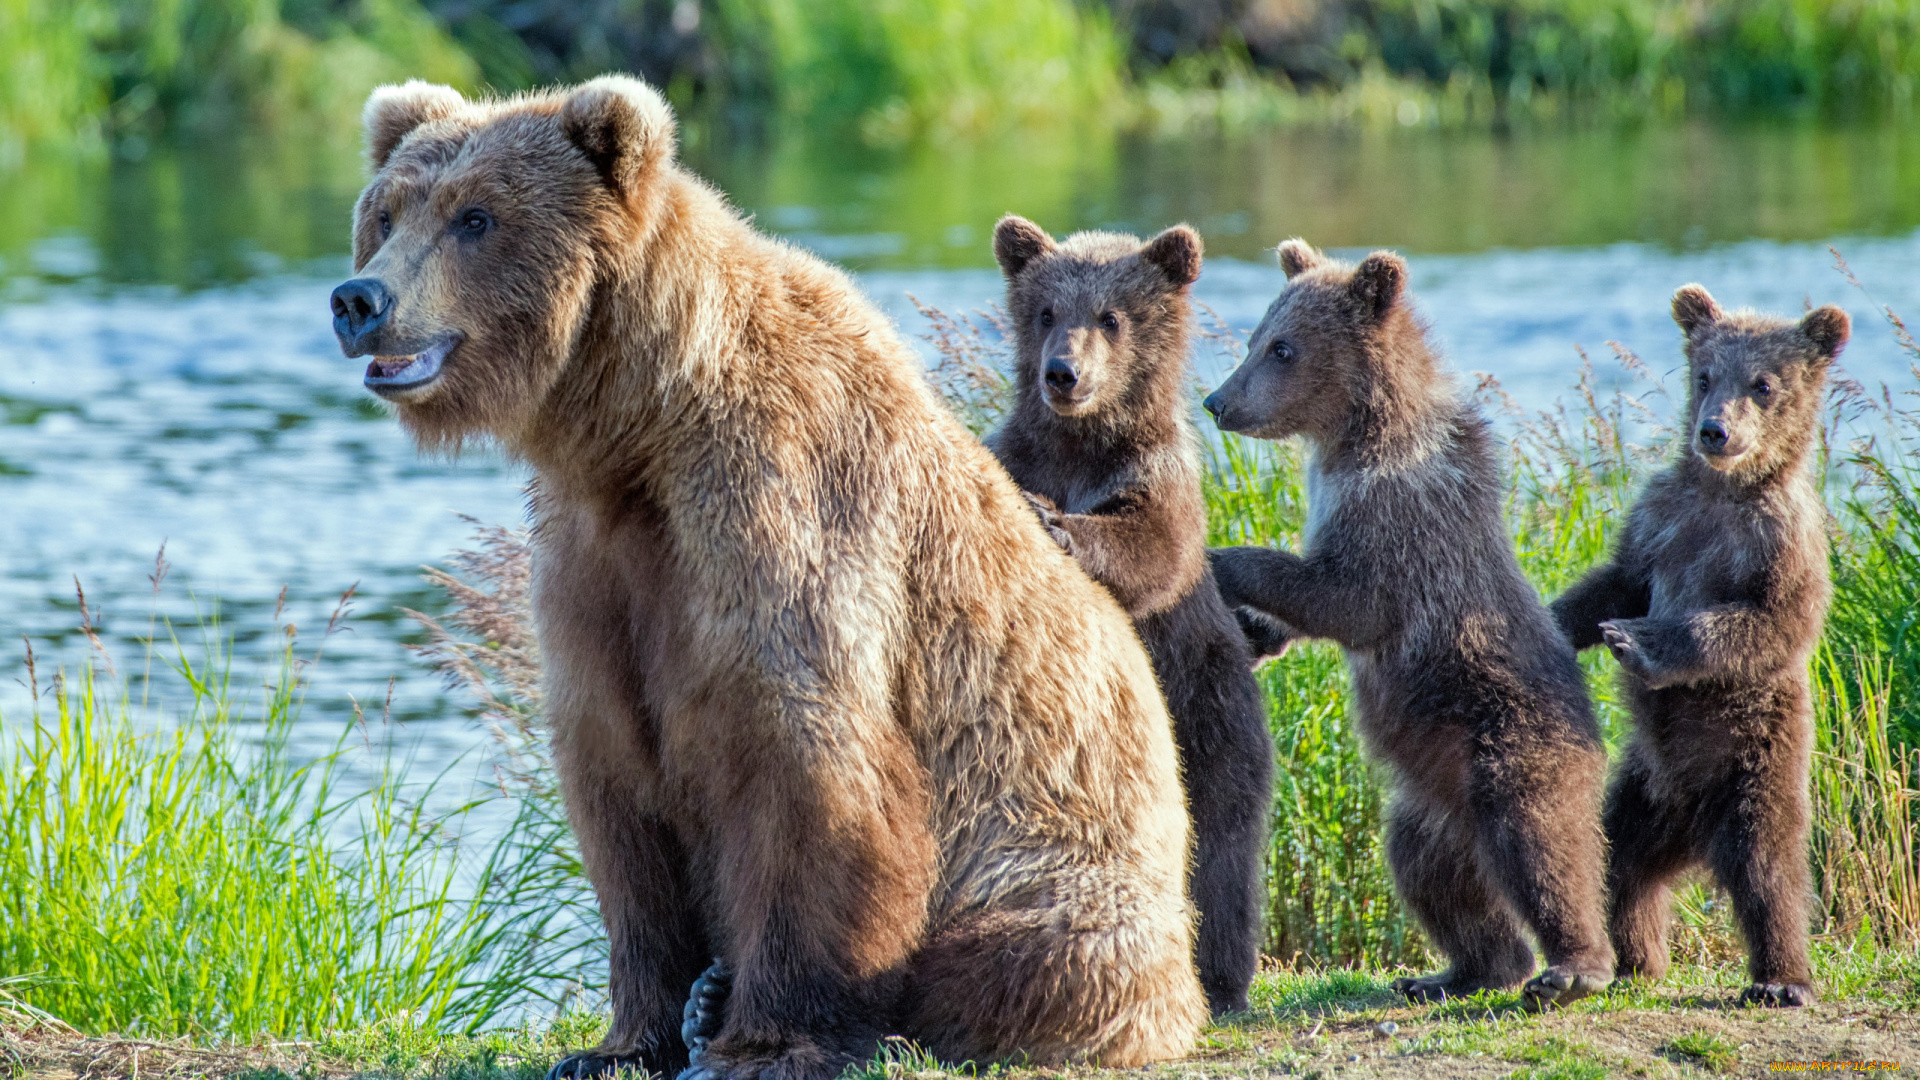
[(177, 870)]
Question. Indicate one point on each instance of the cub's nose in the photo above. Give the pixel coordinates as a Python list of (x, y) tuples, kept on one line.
[(1713, 436), (1212, 404), (360, 307), (1060, 374)]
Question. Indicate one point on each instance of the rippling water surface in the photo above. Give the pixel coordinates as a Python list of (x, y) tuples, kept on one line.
[(168, 372)]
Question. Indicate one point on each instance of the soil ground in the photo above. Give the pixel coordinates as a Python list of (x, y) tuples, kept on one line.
[(1339, 1024)]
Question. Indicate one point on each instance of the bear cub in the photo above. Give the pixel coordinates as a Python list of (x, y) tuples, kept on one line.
[(1712, 604), (1462, 683), (1099, 438)]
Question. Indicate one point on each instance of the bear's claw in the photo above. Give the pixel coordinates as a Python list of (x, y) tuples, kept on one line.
[(1778, 995), (590, 1064), (700, 1020), (1559, 986)]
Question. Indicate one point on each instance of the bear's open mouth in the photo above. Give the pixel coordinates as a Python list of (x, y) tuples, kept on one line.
[(389, 376)]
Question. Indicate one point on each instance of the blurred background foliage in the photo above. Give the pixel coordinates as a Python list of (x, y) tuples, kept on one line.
[(100, 70)]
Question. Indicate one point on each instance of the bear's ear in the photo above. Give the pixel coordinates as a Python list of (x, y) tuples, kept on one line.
[(1377, 283), (623, 126), (1693, 308), (1828, 328), (1297, 256), (1017, 242), (1177, 253), (393, 112)]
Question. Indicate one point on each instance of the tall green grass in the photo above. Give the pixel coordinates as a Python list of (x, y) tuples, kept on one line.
[(193, 877)]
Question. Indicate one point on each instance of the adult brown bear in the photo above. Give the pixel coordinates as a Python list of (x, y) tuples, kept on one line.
[(827, 702)]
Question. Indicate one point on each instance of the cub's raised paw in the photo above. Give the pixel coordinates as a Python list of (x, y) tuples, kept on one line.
[(1049, 514), (1560, 985), (1267, 637), (705, 1010), (592, 1064), (1626, 649), (1778, 995)]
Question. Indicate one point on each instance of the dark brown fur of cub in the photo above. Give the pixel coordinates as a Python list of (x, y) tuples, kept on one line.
[(1462, 683), (1099, 434), (1712, 604)]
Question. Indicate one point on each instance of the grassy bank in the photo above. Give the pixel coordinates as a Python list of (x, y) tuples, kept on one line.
[(168, 867), (895, 69)]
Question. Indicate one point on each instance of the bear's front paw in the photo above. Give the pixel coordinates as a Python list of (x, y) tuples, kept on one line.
[(592, 1064), (1267, 637), (1628, 650), (1049, 514), (1778, 995)]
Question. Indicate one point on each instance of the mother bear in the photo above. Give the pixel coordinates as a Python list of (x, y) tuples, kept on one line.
[(827, 702)]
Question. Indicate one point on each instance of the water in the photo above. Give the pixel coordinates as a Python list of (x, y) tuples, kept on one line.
[(168, 372)]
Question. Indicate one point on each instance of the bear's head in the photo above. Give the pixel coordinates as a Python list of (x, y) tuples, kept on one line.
[(478, 242), (1325, 344), (1755, 382), (1098, 316)]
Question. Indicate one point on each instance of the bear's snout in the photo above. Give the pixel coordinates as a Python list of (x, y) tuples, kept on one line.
[(1713, 437), (1060, 375), (360, 309)]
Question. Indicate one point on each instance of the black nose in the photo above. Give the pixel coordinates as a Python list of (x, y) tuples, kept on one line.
[(1212, 404), (1060, 374), (360, 306), (1713, 436)]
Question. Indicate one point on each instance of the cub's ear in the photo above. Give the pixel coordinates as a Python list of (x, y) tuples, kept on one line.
[(1378, 282), (1828, 328), (1693, 308), (393, 112), (1297, 256), (1177, 253), (1017, 242), (623, 126)]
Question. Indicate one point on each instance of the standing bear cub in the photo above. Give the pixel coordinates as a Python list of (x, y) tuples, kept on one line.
[(827, 702), (1099, 438), (1712, 604), (1461, 681)]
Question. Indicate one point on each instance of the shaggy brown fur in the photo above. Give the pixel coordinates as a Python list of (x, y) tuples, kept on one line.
[(1712, 604), (1099, 436), (1462, 683), (806, 646)]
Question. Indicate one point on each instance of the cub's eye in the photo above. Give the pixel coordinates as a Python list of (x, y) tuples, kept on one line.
[(1704, 380), (1046, 317), (1110, 322), (386, 224), (1282, 351), (1763, 387), (475, 222)]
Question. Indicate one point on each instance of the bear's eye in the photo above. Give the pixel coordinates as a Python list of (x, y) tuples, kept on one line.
[(1282, 351), (1046, 317), (1704, 380), (1763, 387), (1109, 322), (386, 224), (476, 221)]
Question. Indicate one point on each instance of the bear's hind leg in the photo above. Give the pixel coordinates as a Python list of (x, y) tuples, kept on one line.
[(1535, 818), (1648, 847), (1437, 873), (1103, 973), (1223, 738), (1759, 855)]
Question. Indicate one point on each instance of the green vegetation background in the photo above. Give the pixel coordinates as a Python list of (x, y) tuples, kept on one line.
[(87, 71)]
